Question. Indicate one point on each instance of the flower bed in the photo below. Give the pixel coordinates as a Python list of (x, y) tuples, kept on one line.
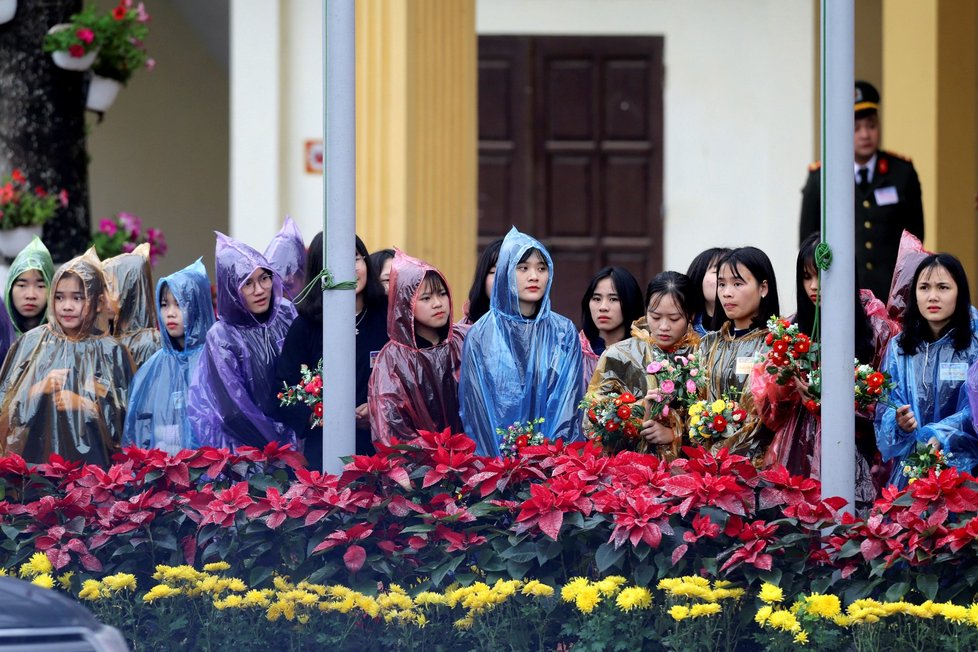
[(430, 515)]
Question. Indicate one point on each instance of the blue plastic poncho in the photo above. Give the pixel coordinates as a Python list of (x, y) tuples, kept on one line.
[(157, 416), (286, 253), (516, 368), (414, 388), (130, 289), (234, 390), (932, 383), (34, 256)]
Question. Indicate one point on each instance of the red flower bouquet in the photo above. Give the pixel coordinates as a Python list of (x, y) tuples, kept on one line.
[(614, 421), (309, 390), (792, 354), (514, 438)]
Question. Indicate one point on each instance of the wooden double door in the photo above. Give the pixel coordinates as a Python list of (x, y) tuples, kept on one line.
[(570, 151)]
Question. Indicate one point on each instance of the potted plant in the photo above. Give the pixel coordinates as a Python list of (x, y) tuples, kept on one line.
[(23, 210), (122, 233), (122, 52), (74, 45), (7, 10)]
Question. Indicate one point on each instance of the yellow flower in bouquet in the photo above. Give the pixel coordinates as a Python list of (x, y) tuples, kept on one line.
[(718, 406)]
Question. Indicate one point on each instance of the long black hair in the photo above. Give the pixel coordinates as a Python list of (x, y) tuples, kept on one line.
[(311, 306), (629, 297), (478, 299), (805, 316), (697, 271), (915, 327), (672, 284), (759, 265)]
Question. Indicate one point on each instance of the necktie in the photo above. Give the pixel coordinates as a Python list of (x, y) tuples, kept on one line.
[(863, 179)]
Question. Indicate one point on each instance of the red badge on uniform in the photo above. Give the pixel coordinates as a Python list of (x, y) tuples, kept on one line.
[(884, 165)]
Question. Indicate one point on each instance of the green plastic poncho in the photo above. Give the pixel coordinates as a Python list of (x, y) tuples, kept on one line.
[(34, 256)]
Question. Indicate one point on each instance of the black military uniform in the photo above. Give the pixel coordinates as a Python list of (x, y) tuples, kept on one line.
[(885, 205)]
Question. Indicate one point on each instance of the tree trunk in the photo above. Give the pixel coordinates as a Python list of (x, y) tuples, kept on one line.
[(42, 120)]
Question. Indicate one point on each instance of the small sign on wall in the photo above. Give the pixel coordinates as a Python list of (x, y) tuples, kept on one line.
[(315, 154)]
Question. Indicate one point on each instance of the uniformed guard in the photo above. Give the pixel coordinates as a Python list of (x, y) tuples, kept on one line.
[(887, 198)]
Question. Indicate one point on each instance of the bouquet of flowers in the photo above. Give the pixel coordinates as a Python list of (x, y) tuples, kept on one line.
[(712, 422), (309, 391), (614, 420), (792, 354), (924, 458), (21, 205), (123, 233), (518, 436), (872, 386), (678, 379)]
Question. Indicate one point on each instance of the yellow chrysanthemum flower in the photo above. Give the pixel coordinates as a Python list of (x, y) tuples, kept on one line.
[(44, 580), (282, 583), (718, 406), (762, 615), (429, 599), (695, 409), (801, 638), (824, 606), (91, 590), (954, 613), (784, 620), (537, 589), (587, 599), (421, 620), (634, 597), (770, 593), (464, 623), (570, 590), (65, 580), (610, 585), (679, 612), (38, 564), (368, 605), (255, 598), (160, 591), (710, 609), (216, 567), (120, 582)]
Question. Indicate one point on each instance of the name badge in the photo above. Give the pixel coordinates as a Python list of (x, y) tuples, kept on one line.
[(373, 358), (886, 196), (745, 364), (954, 372)]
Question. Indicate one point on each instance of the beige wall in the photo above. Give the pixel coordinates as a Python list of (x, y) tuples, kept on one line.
[(162, 150)]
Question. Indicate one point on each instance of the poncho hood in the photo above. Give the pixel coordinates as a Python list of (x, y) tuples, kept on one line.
[(235, 262), (505, 301), (192, 291), (34, 256), (286, 253), (130, 288), (87, 268), (407, 274)]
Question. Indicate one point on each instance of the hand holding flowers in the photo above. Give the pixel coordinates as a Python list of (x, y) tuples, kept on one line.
[(614, 420), (710, 422), (924, 458), (675, 381), (309, 390)]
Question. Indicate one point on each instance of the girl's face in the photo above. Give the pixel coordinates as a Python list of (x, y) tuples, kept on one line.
[(740, 294), (360, 265), (667, 321), (385, 274), (69, 304), (810, 282), (490, 279), (710, 286), (257, 291), (431, 308), (531, 282), (605, 307), (172, 316), (937, 295), (29, 294)]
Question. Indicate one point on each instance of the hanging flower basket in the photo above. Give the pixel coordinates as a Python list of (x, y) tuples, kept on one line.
[(78, 56), (7, 10), (102, 93)]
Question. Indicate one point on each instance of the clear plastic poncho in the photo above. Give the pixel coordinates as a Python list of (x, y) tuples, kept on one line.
[(233, 393), (130, 289), (932, 383), (414, 388), (66, 394), (286, 253), (34, 256), (157, 416), (516, 368)]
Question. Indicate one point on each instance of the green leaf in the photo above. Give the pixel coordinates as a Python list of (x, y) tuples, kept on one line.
[(449, 566), (710, 565), (258, 575), (574, 519), (607, 556), (772, 576), (896, 592), (643, 574), (927, 584), (421, 527), (516, 570), (11, 532)]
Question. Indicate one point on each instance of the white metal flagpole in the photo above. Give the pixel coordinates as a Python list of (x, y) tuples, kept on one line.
[(838, 466), (339, 232)]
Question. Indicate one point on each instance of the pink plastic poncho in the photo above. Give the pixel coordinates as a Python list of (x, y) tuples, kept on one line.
[(130, 290), (413, 388), (909, 256), (66, 394), (286, 253), (234, 390)]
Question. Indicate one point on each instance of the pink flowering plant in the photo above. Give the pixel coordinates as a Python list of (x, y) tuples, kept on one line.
[(24, 205), (675, 381), (123, 233), (85, 32), (123, 50)]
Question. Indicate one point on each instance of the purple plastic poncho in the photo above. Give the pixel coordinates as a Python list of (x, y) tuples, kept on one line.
[(66, 394), (516, 368), (130, 289), (286, 253), (234, 390), (414, 388)]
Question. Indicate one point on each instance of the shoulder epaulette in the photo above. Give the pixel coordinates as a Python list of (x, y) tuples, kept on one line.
[(817, 165)]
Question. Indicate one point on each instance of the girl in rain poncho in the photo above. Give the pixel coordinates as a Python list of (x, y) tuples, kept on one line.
[(747, 295), (28, 287), (666, 327), (521, 361), (64, 384), (157, 416), (130, 286), (929, 363), (414, 384), (611, 303), (286, 253), (233, 394)]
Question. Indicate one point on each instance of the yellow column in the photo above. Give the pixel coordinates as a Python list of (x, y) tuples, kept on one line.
[(929, 112), (417, 131)]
